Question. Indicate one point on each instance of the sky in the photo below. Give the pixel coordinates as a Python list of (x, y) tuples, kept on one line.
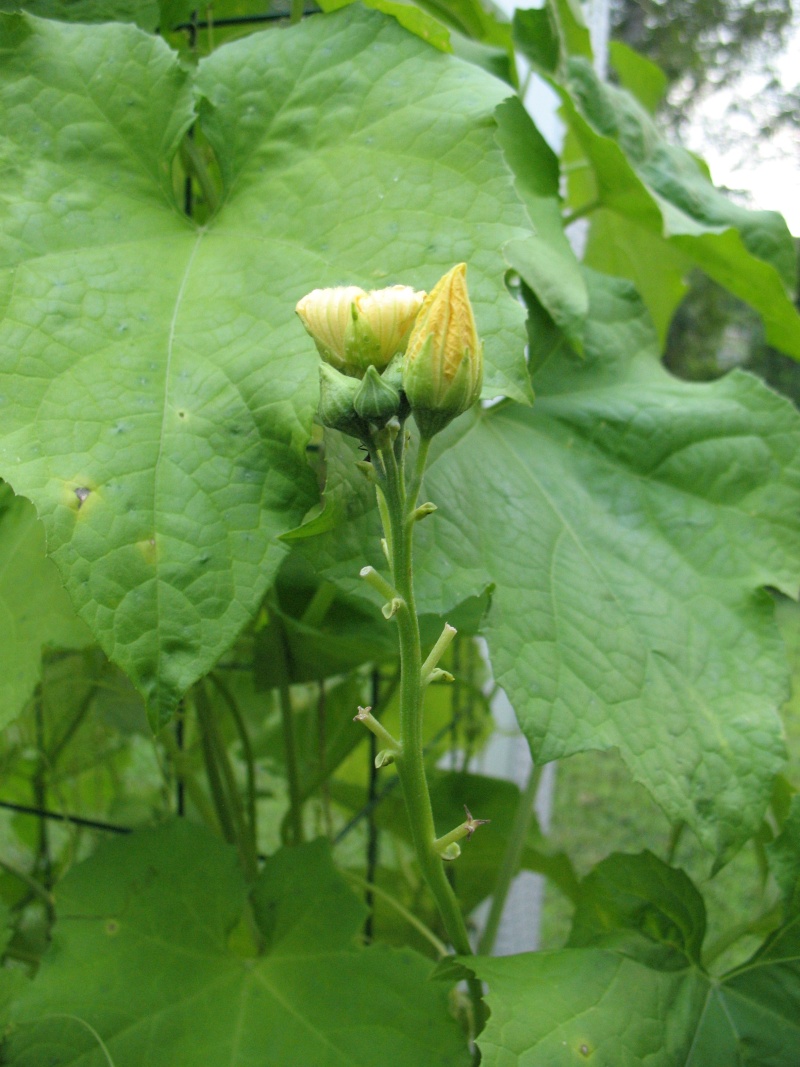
[(758, 174), (765, 173)]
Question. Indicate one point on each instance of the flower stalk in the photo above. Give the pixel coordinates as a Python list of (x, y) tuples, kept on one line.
[(387, 355), (409, 759), (445, 845), (366, 717)]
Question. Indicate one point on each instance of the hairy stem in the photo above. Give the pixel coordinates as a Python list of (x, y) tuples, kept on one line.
[(410, 762)]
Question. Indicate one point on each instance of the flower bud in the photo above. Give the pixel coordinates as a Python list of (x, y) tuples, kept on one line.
[(337, 395), (376, 400), (353, 329), (443, 365)]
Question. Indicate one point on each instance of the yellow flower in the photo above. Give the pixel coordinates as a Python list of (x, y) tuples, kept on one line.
[(354, 329), (443, 364)]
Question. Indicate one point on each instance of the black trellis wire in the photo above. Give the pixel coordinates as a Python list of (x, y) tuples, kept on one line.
[(60, 816), (115, 828), (241, 20)]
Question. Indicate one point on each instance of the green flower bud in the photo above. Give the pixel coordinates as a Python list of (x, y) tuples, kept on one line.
[(376, 400), (337, 394), (354, 330), (443, 364)]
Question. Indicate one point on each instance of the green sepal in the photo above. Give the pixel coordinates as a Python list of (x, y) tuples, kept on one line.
[(375, 399), (337, 393), (432, 406)]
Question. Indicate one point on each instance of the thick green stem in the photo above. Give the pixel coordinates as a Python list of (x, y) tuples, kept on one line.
[(419, 470), (510, 862), (250, 767), (243, 838), (224, 816), (410, 760)]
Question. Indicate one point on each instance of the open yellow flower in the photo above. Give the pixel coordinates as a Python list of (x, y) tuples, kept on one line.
[(354, 329)]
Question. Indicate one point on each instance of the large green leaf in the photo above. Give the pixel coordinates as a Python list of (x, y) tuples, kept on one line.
[(157, 388), (545, 259), (145, 959), (628, 523), (409, 16), (639, 75), (396, 173), (637, 995), (784, 851), (34, 609), (660, 189), (644, 517), (143, 12)]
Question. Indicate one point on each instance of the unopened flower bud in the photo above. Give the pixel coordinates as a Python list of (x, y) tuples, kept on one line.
[(376, 400), (443, 365), (337, 395), (354, 330)]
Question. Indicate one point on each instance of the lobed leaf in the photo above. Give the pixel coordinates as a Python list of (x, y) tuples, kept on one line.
[(631, 1006), (628, 523), (144, 13), (158, 390), (147, 959), (545, 259), (784, 852), (35, 612)]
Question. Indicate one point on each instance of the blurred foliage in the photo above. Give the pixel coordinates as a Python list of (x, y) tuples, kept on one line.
[(712, 332), (701, 45)]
